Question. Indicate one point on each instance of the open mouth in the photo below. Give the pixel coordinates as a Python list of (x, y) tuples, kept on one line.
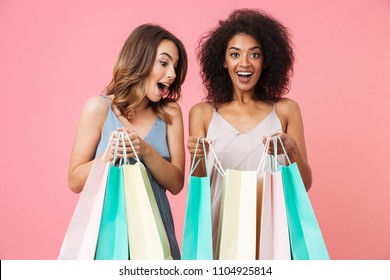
[(244, 76), (162, 88)]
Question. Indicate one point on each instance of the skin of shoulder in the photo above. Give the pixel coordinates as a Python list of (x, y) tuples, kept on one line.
[(87, 137), (290, 115), (199, 118), (96, 107), (173, 108), (288, 110), (90, 126)]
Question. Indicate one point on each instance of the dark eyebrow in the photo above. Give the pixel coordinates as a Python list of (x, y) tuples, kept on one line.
[(167, 54), (252, 48)]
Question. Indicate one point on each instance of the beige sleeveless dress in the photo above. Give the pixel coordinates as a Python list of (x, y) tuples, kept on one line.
[(235, 150)]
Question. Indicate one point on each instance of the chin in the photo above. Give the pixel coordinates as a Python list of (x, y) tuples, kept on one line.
[(156, 99)]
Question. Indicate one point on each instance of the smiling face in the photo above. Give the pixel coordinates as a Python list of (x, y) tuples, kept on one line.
[(163, 72), (244, 61)]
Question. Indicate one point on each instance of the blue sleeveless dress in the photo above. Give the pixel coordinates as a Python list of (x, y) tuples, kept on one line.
[(157, 138)]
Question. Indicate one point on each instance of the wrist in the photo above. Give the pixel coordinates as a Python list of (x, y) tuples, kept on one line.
[(147, 150)]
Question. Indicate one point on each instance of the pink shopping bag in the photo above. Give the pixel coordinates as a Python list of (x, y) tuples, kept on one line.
[(274, 242), (81, 237), (82, 234)]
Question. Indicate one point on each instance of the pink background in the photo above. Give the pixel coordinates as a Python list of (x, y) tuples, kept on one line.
[(56, 54)]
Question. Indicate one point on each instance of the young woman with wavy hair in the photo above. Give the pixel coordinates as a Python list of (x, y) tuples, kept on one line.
[(141, 99)]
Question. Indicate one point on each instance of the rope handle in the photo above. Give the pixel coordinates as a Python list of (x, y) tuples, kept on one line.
[(132, 146), (193, 165), (216, 162), (108, 145)]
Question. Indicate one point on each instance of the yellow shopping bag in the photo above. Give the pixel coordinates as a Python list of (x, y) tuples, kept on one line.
[(147, 236)]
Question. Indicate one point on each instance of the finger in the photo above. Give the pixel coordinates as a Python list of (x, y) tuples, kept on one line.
[(208, 141), (130, 154), (276, 134), (282, 136), (133, 136), (193, 140), (191, 146), (265, 138)]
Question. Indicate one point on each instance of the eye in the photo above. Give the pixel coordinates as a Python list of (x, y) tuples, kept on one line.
[(235, 55), (163, 63), (255, 55)]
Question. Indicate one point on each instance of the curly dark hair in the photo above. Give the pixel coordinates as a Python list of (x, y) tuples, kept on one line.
[(276, 46)]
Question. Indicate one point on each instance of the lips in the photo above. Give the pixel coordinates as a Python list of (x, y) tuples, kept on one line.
[(244, 76), (162, 88)]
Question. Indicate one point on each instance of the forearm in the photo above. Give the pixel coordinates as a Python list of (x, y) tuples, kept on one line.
[(78, 175), (304, 168), (166, 174)]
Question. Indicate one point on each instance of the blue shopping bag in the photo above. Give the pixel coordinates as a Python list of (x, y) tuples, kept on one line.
[(197, 233), (306, 240), (113, 240)]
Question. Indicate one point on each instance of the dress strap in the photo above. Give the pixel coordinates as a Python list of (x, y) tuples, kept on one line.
[(274, 107), (214, 107), (108, 101)]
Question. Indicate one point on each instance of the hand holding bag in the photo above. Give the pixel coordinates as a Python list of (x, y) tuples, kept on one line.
[(197, 233)]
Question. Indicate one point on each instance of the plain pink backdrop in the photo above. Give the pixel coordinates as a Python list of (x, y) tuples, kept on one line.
[(56, 54)]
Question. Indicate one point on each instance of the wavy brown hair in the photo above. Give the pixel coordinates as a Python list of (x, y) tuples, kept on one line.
[(133, 65), (276, 47)]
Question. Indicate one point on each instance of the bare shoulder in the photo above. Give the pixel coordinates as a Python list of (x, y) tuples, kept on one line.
[(173, 109), (96, 105), (287, 106), (94, 112), (204, 109)]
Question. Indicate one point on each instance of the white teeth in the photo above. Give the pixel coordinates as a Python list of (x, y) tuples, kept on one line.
[(244, 73), (165, 84)]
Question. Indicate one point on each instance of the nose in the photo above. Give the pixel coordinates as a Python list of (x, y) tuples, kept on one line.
[(171, 73), (244, 61)]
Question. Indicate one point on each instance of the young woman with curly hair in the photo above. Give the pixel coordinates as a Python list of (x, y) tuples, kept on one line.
[(141, 99), (246, 64)]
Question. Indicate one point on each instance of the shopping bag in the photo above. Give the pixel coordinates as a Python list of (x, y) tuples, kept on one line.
[(82, 233), (81, 236), (146, 232), (306, 239), (237, 225), (112, 240), (197, 243), (274, 241)]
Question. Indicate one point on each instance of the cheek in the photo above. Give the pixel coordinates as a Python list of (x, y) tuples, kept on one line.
[(231, 67)]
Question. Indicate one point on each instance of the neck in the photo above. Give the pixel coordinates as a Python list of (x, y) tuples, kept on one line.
[(243, 96), (139, 110), (142, 106)]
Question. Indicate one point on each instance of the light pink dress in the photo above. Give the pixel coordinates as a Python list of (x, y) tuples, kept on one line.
[(235, 150)]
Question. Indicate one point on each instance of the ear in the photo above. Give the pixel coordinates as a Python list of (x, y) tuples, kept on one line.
[(224, 64)]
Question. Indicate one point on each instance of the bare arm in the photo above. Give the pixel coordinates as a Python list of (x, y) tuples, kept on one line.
[(199, 120), (88, 135), (293, 137)]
